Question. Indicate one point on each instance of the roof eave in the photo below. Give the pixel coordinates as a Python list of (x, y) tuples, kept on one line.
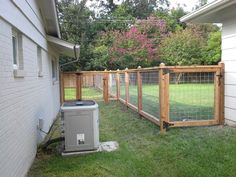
[(64, 47), (205, 10), (50, 17), (56, 19)]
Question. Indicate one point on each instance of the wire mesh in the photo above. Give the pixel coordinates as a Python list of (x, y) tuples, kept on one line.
[(92, 87), (191, 96), (69, 81), (150, 93), (99, 81), (122, 86), (133, 89), (112, 84)]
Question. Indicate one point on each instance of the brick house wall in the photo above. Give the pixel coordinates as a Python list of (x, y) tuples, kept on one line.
[(24, 100)]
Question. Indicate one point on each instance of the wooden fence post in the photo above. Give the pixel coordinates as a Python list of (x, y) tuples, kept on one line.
[(222, 94), (62, 97), (163, 97), (105, 87), (79, 82), (126, 86), (139, 84), (117, 84), (93, 80)]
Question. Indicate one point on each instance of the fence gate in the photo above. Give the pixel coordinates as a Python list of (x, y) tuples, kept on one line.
[(192, 96)]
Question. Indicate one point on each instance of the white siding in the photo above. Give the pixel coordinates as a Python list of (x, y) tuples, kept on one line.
[(229, 58), (23, 101), (229, 42), (230, 115), (30, 9), (227, 54), (20, 14), (230, 90), (230, 102), (230, 66)]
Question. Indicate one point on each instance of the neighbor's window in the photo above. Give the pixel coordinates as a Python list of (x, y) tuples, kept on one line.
[(40, 62), (17, 50), (54, 70)]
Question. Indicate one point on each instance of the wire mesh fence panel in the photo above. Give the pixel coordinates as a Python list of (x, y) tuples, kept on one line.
[(133, 90), (92, 87), (150, 93), (191, 96), (69, 81), (122, 86), (98, 81), (112, 84)]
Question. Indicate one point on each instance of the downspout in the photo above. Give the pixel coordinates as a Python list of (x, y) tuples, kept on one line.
[(70, 62)]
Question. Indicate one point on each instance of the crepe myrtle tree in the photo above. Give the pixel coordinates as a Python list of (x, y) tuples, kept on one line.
[(139, 45), (131, 49)]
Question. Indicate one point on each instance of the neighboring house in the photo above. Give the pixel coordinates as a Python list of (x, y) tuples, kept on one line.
[(223, 11), (29, 79)]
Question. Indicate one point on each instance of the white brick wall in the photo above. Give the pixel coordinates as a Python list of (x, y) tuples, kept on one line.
[(22, 102)]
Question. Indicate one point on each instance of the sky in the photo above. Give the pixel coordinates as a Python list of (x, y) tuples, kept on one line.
[(186, 4)]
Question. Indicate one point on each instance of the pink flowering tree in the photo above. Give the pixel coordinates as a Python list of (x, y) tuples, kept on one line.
[(139, 45)]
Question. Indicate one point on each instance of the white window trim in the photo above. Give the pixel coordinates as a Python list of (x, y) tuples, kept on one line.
[(17, 71), (55, 79), (40, 61), (16, 66)]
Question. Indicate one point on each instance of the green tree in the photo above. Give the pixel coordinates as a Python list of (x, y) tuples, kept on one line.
[(185, 47), (172, 18), (120, 19), (203, 29), (131, 48), (200, 3), (212, 51), (141, 9), (99, 33), (100, 49), (76, 27)]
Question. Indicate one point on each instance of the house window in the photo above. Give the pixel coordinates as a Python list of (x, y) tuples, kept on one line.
[(54, 70), (17, 48), (40, 62)]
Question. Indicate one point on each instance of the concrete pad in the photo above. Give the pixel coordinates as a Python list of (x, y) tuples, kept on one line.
[(108, 146)]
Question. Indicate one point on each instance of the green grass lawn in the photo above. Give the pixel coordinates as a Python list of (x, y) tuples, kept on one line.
[(87, 93), (187, 101), (144, 152)]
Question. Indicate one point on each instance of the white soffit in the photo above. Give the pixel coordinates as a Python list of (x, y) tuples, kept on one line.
[(63, 47), (214, 12)]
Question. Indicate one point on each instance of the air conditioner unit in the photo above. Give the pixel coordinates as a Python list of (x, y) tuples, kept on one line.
[(81, 125)]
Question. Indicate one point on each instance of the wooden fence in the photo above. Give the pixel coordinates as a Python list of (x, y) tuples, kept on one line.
[(168, 96)]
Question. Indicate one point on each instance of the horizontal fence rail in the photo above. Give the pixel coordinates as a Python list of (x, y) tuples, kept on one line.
[(169, 96)]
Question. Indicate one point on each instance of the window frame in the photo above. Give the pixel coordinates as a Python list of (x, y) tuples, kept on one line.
[(54, 70), (39, 61), (15, 50)]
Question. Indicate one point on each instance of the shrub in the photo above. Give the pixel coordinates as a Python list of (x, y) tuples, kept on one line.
[(212, 51), (185, 47)]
